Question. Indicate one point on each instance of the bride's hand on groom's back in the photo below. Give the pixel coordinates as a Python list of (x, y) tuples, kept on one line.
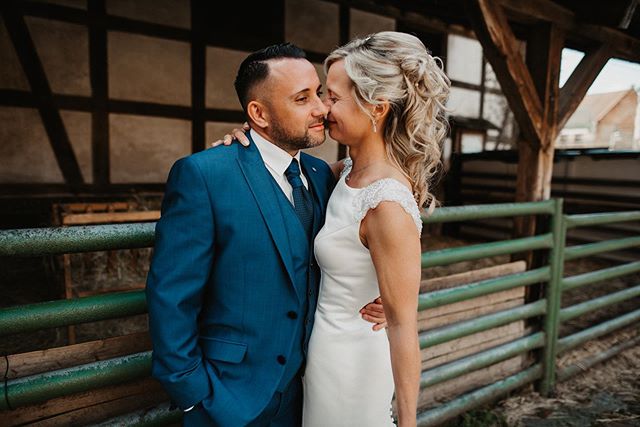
[(374, 313), (235, 135)]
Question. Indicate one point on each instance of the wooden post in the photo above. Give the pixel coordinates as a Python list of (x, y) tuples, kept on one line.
[(531, 88), (535, 164)]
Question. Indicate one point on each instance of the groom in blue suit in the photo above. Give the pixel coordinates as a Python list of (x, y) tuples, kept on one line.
[(233, 283)]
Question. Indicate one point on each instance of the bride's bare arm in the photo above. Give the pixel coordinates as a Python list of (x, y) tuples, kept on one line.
[(394, 244)]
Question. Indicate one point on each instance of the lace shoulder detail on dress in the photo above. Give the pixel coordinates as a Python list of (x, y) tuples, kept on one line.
[(386, 190), (346, 166)]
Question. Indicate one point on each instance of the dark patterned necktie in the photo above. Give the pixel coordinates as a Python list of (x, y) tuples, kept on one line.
[(302, 202)]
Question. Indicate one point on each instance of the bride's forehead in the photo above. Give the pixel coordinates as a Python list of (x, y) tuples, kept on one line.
[(337, 77)]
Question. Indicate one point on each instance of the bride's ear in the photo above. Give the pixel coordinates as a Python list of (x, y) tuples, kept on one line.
[(258, 114), (381, 110)]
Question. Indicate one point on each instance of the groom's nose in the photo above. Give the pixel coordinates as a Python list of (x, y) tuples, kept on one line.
[(320, 109)]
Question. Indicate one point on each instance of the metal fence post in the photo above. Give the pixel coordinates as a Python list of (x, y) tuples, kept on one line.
[(553, 296)]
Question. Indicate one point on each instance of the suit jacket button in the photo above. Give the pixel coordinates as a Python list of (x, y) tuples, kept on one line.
[(281, 360), (292, 315)]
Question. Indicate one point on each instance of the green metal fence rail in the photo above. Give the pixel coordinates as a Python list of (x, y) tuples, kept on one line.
[(49, 241)]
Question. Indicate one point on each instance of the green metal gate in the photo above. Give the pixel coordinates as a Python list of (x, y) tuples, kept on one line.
[(50, 241)]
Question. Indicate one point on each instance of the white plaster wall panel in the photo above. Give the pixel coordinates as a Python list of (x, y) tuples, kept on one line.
[(490, 78), (149, 69), (27, 156), (174, 13), (144, 148), (77, 4), (362, 23), (323, 78), (464, 59), (216, 130), (78, 125), (495, 108), (471, 143), (63, 49), (464, 102), (12, 76), (312, 24), (222, 67)]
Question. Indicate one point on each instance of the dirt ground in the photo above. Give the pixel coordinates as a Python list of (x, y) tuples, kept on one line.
[(608, 394)]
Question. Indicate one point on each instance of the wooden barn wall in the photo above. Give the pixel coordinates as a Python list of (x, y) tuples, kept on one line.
[(129, 97)]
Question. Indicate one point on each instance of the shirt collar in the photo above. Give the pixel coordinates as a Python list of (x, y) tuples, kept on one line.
[(272, 155)]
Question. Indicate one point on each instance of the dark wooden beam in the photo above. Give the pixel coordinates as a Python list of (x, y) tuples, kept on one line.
[(579, 82), (345, 29), (544, 53), (628, 14), (535, 161), (543, 10), (622, 46), (198, 76), (34, 71), (20, 98), (418, 20), (500, 47), (82, 190), (100, 155)]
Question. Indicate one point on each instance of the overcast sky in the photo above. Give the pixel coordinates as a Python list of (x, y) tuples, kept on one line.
[(616, 75)]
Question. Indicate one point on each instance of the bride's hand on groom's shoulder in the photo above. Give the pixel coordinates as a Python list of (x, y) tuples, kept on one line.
[(236, 134), (374, 313)]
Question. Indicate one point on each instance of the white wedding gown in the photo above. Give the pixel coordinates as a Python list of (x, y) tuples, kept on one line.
[(348, 379)]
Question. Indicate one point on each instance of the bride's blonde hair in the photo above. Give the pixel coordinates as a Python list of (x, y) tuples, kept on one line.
[(396, 67)]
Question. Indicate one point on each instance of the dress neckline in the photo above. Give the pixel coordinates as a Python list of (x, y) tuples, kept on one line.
[(375, 182), (347, 168)]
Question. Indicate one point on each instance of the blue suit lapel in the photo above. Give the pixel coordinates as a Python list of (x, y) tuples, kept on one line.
[(260, 183)]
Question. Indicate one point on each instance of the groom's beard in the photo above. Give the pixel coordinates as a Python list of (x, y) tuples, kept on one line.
[(286, 140)]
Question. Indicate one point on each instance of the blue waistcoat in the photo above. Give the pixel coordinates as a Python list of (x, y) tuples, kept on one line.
[(307, 277)]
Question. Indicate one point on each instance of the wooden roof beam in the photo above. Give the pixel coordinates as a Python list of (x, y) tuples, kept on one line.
[(500, 47), (628, 14), (575, 88), (622, 45), (414, 18)]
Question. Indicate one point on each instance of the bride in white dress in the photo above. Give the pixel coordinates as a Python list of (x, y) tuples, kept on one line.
[(386, 96)]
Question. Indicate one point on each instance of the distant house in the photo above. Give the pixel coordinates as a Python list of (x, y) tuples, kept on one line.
[(603, 120)]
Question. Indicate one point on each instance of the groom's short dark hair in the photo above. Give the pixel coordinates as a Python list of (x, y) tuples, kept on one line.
[(255, 69)]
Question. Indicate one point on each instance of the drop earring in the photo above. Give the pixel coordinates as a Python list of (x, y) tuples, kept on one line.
[(374, 121)]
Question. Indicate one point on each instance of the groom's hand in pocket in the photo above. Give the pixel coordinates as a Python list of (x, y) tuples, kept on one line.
[(374, 313)]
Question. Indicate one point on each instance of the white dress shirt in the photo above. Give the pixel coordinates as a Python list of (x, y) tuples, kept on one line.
[(277, 161)]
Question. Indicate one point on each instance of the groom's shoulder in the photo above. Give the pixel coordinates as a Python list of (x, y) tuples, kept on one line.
[(213, 158)]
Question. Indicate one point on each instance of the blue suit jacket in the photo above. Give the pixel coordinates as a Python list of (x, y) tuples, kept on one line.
[(221, 282)]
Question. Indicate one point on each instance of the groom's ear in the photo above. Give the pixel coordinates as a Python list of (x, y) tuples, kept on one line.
[(258, 113)]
